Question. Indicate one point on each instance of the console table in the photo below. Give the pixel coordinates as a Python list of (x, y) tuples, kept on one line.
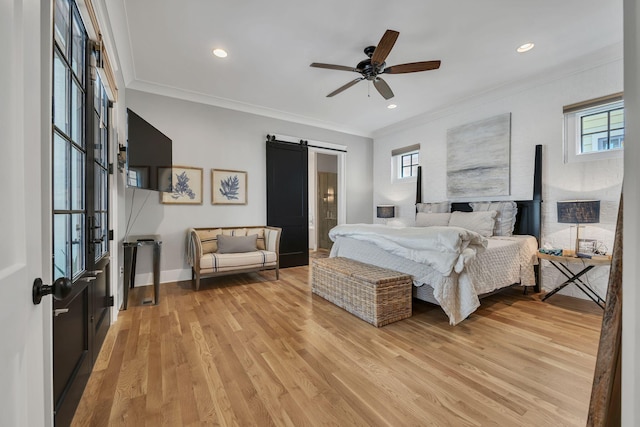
[(560, 263), (131, 245)]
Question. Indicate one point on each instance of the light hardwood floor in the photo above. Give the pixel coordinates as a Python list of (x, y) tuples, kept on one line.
[(250, 351)]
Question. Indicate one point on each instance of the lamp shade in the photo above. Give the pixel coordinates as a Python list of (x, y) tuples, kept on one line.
[(385, 211), (579, 211)]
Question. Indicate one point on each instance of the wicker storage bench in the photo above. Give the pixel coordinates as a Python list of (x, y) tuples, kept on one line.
[(376, 295)]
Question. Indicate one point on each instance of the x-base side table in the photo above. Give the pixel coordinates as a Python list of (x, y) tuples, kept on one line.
[(559, 262)]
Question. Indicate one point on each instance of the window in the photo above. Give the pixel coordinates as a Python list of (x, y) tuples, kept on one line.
[(405, 162), (594, 130), (69, 142), (409, 165), (603, 130)]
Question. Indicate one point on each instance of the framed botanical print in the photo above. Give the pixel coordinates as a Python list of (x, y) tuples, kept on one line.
[(228, 187), (180, 185)]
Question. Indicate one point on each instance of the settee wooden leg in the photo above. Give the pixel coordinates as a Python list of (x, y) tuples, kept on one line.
[(277, 274)]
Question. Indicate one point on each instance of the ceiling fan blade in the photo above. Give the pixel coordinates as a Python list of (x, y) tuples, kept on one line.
[(383, 88), (345, 87), (412, 67), (384, 47), (334, 67)]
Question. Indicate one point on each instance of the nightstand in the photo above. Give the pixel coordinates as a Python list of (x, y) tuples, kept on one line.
[(560, 263)]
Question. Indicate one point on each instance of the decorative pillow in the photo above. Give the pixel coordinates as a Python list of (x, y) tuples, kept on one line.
[(480, 222), (432, 219), (505, 218), (209, 240), (440, 207), (236, 244)]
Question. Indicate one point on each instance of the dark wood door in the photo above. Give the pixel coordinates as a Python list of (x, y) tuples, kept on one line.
[(80, 211), (287, 200)]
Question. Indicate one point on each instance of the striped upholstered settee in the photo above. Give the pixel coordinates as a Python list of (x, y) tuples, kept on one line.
[(218, 251)]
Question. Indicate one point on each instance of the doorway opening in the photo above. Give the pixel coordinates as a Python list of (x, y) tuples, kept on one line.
[(326, 198)]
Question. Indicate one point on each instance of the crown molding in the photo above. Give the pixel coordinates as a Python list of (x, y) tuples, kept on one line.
[(602, 57)]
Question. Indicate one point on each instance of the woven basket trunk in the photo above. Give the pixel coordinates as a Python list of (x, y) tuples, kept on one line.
[(376, 295)]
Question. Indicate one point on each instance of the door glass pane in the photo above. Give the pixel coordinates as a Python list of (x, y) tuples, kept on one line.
[(77, 107), (77, 179), (62, 23), (60, 102), (104, 156), (77, 244), (78, 48), (98, 185), (61, 199), (100, 235), (96, 92), (60, 245)]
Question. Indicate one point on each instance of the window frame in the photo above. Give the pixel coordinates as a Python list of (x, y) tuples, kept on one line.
[(573, 132), (397, 156), (412, 166)]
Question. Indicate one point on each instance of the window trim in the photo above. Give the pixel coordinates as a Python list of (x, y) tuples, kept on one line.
[(572, 132), (396, 162)]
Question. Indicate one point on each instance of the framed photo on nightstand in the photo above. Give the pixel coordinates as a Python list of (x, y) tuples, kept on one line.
[(587, 246)]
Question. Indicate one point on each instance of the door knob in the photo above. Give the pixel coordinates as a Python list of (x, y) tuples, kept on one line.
[(60, 289)]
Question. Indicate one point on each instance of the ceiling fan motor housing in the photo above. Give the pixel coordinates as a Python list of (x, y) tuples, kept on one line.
[(367, 69)]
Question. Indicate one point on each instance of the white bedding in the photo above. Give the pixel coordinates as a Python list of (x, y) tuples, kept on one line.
[(506, 261)]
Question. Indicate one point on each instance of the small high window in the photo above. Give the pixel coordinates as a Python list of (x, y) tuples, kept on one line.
[(602, 130), (594, 129), (405, 162), (409, 165)]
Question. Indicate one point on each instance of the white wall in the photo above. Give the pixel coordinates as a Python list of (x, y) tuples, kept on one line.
[(211, 137), (536, 118), (631, 236)]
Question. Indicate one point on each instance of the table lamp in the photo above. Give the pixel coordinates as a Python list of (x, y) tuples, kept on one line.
[(385, 211), (578, 212)]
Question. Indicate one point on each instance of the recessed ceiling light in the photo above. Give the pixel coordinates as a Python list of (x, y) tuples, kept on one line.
[(525, 47), (391, 106), (220, 53)]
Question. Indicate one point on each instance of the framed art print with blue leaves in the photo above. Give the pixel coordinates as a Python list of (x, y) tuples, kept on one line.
[(180, 185), (228, 187)]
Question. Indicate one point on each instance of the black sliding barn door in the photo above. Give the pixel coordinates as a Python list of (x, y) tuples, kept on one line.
[(287, 200)]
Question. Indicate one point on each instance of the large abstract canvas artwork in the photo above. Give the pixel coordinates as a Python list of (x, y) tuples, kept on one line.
[(478, 158)]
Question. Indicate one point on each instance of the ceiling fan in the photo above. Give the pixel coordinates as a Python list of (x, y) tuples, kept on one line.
[(375, 65)]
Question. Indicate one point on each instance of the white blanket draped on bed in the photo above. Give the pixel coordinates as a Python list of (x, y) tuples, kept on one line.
[(446, 250)]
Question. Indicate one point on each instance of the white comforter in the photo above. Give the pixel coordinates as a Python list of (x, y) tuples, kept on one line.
[(445, 250), (442, 248)]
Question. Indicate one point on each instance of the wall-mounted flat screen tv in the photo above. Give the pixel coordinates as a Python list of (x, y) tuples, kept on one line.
[(149, 155)]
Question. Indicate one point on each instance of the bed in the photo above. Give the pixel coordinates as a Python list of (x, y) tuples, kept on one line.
[(482, 265)]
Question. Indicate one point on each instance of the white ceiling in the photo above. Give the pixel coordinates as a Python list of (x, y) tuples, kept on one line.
[(164, 46)]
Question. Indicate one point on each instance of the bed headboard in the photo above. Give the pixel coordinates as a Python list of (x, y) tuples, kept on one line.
[(529, 217)]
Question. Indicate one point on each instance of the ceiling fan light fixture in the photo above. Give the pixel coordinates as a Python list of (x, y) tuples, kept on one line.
[(220, 53), (391, 106), (525, 47)]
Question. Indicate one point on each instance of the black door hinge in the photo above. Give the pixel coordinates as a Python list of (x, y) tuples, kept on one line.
[(109, 302), (110, 234), (110, 168)]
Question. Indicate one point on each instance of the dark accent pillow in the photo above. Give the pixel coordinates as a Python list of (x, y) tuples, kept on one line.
[(236, 244)]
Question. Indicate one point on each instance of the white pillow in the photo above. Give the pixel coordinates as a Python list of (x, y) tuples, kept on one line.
[(480, 222), (440, 207), (432, 219), (505, 218)]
